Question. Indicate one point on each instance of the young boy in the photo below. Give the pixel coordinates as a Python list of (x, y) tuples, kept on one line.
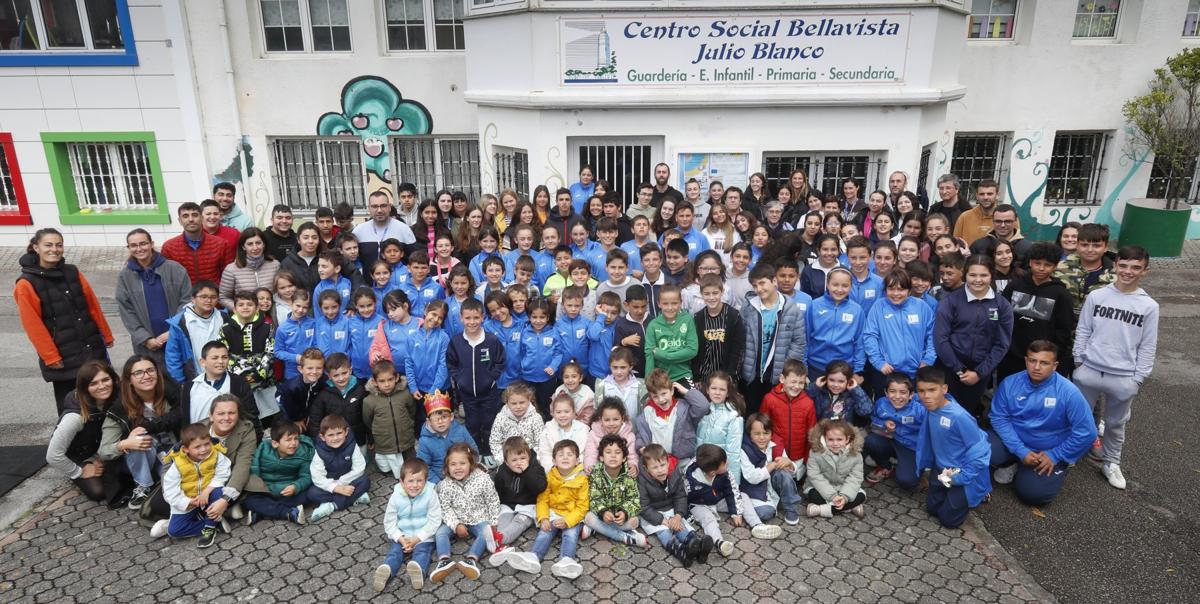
[(865, 287), (787, 276), (1042, 310), (523, 276), (738, 279), (519, 482), (560, 509), (439, 433), (630, 330), (652, 276), (952, 270), (561, 277), (517, 418), (388, 412), (338, 470), (671, 341), (791, 410), (615, 504), (194, 326), (708, 486), (194, 478), (296, 395), (922, 282), (329, 269), (295, 334), (252, 352), (618, 279), (1089, 268), (722, 336), (633, 247), (283, 465), (493, 278), (1115, 345), (573, 327), (343, 396), (425, 366), (768, 481), (413, 517), (774, 334), (895, 425), (955, 450), (676, 258), (621, 383), (581, 278), (476, 359), (600, 336), (663, 499), (420, 287), (670, 421)]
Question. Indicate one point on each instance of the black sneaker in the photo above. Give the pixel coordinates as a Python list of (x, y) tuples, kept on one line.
[(139, 497), (120, 501), (706, 548), (207, 537)]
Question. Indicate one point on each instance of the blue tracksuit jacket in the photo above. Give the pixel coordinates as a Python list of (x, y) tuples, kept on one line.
[(510, 339), (425, 365), (573, 335), (475, 370), (595, 256), (292, 338), (332, 336), (867, 291), (835, 333), (341, 286), (419, 294), (901, 335), (696, 241), (432, 447), (908, 420), (453, 323), (535, 352), (600, 345), (476, 264), (950, 438), (362, 333), (1052, 416), (397, 335)]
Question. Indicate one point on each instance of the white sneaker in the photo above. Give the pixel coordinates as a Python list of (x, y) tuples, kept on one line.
[(501, 556), (415, 576), (236, 512), (380, 577), (1100, 428), (1113, 473), (638, 539), (725, 547), (159, 530), (1005, 475), (525, 562), (566, 568), (766, 531), (321, 511)]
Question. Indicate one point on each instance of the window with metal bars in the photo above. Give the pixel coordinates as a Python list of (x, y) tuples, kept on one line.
[(512, 170), (435, 163), (836, 168), (992, 19), (320, 173), (623, 166), (978, 157), (1076, 167), (923, 168), (14, 206), (1097, 18), (1164, 185), (825, 171), (112, 176), (778, 169)]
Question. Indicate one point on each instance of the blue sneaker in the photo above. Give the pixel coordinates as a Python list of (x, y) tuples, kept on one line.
[(791, 516), (321, 511)]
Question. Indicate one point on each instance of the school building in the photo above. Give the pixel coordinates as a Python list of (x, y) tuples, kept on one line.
[(113, 112)]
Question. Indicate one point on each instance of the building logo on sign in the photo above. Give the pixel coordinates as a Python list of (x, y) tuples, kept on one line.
[(588, 56)]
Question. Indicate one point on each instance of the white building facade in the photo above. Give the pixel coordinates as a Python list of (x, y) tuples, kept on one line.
[(311, 103)]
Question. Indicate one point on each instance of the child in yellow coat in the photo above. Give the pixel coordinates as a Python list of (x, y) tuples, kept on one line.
[(560, 509)]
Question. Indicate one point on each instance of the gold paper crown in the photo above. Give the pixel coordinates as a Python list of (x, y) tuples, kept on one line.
[(435, 401)]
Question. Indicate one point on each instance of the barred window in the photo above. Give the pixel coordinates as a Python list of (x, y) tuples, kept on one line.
[(1165, 185), (512, 170), (825, 171), (836, 168), (992, 19), (8, 180), (1075, 167), (1191, 21), (434, 163), (314, 173), (1097, 18), (778, 168), (978, 157), (112, 176)]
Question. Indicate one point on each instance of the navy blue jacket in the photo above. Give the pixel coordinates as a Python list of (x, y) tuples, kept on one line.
[(339, 461), (295, 397), (475, 370), (625, 327), (972, 334)]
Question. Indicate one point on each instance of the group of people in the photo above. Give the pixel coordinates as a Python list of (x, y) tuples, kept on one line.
[(569, 363)]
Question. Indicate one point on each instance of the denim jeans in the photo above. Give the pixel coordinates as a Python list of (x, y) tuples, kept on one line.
[(570, 542), (421, 553), (612, 530), (445, 535), (667, 536), (142, 465)]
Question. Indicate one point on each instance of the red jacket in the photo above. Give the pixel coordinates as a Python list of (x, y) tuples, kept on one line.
[(230, 235), (204, 263), (793, 418)]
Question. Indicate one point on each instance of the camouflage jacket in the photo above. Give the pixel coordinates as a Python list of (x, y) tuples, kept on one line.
[(620, 493), (1071, 272)]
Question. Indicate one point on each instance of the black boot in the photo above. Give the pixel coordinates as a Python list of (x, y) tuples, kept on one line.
[(681, 552), (704, 549)]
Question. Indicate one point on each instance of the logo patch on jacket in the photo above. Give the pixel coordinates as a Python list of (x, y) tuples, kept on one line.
[(1050, 401), (913, 319), (945, 422)]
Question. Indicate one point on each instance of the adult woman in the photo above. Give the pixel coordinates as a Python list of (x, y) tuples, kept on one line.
[(907, 202), (429, 225), (76, 440), (852, 204), (1068, 238), (302, 262), (251, 269), (798, 185), (59, 312), (595, 211), (582, 190), (150, 290), (541, 202), (458, 210), (865, 218), (664, 218), (508, 205), (466, 242), (137, 427), (720, 234), (971, 332)]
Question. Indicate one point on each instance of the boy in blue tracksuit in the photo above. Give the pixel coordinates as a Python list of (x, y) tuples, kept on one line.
[(866, 287), (501, 323), (589, 251), (1041, 424), (425, 365), (954, 449), (600, 335), (329, 269), (539, 355), (295, 334), (420, 287), (898, 333), (572, 327), (364, 324), (523, 237), (833, 326), (475, 360), (895, 425), (438, 434), (332, 330)]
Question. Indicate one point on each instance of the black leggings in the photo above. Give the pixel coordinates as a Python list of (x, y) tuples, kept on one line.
[(109, 486), (61, 388), (814, 497)]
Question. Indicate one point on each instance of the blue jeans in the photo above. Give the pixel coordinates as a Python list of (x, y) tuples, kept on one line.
[(1030, 487), (269, 506), (317, 495), (667, 536), (445, 535), (570, 542), (882, 450), (612, 530), (142, 465), (784, 484), (948, 504), (191, 522), (421, 553)]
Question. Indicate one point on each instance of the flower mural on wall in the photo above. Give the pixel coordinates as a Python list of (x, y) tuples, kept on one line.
[(373, 109)]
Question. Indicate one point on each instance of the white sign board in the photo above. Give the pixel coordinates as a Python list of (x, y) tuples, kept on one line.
[(732, 169), (783, 49)]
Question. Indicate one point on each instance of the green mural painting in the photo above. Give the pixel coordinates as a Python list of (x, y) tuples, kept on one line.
[(373, 109)]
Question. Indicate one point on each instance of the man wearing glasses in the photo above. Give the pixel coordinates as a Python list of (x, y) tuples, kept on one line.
[(380, 228), (1004, 228)]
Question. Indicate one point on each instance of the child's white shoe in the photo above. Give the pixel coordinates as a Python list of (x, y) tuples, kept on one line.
[(566, 568), (415, 576), (364, 500), (766, 531), (321, 511), (380, 578), (725, 547), (159, 530), (638, 539), (525, 562), (501, 556)]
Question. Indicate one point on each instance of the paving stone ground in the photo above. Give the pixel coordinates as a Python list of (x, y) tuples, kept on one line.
[(78, 551)]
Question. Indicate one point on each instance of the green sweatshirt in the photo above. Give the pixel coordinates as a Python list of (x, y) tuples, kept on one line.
[(672, 346)]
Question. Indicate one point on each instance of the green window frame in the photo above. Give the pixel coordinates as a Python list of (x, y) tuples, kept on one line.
[(66, 193)]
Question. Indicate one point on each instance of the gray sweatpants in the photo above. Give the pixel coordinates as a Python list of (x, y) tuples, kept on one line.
[(512, 524), (1118, 394), (708, 520)]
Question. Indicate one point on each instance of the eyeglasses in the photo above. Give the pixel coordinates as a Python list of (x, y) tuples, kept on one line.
[(144, 373), (203, 297), (134, 246)]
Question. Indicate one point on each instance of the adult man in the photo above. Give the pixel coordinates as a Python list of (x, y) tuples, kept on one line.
[(380, 228), (407, 193), (897, 184), (1041, 425), (564, 217), (662, 188), (224, 193), (732, 199), (642, 207), (976, 223), (280, 240), (203, 256), (950, 205), (196, 397), (210, 221), (1089, 268), (1004, 228), (1115, 344), (612, 209)]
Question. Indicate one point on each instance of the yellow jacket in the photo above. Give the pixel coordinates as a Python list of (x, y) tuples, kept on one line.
[(567, 496), (195, 477)]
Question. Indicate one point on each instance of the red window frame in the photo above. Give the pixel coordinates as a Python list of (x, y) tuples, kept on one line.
[(21, 215)]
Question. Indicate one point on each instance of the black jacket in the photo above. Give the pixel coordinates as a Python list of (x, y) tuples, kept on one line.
[(306, 273), (1041, 312), (475, 370), (330, 402), (520, 489), (66, 315), (295, 397), (238, 386), (660, 496), (732, 341)]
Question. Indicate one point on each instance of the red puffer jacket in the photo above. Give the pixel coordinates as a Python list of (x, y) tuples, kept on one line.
[(204, 263), (792, 419)]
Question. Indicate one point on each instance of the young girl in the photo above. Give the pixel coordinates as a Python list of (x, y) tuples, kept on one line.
[(898, 332), (884, 257), (332, 327), (466, 240), (833, 481), (470, 508), (381, 281), (443, 260), (516, 418), (669, 421), (744, 223), (538, 353), (541, 202), (813, 277), (266, 305), (834, 325), (760, 240), (364, 324), (832, 224), (460, 287), (664, 218), (285, 288), (391, 342), (610, 419), (719, 232), (810, 232), (836, 394), (412, 518), (936, 225), (768, 476), (884, 227), (613, 495), (579, 393), (489, 247), (425, 366), (563, 425), (907, 250), (295, 333), (501, 323), (895, 426), (722, 426), (1005, 270)]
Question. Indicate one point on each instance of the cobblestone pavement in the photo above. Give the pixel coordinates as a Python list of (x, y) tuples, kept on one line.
[(79, 551)]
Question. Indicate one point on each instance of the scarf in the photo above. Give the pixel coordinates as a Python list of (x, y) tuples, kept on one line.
[(255, 262)]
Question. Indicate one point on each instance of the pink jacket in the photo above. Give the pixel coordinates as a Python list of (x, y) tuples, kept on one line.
[(591, 452)]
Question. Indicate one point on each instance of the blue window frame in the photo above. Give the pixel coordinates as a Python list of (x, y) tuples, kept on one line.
[(49, 33)]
